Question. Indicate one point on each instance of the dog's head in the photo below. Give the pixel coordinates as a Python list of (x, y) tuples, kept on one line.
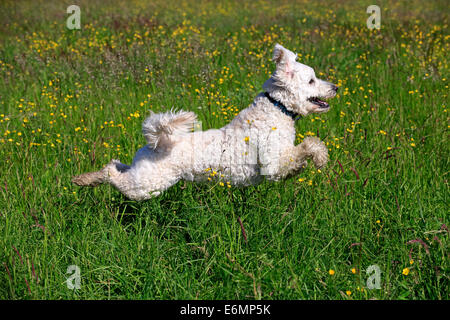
[(296, 84)]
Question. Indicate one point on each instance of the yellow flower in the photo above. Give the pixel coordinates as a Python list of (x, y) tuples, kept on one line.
[(331, 272), (348, 292), (405, 271), (353, 270), (246, 139), (411, 261), (413, 144)]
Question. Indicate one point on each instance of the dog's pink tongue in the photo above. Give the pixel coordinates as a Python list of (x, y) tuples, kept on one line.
[(323, 104)]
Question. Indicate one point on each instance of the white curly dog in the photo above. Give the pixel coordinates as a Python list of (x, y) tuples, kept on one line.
[(258, 142)]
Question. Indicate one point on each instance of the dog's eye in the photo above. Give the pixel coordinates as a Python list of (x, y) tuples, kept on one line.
[(311, 81)]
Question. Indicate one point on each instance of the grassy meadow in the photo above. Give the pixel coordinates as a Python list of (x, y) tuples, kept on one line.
[(72, 100)]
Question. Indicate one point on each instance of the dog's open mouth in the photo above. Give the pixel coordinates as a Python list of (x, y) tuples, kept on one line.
[(320, 103)]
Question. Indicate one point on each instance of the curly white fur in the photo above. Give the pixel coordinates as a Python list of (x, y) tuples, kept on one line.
[(258, 142), (158, 128)]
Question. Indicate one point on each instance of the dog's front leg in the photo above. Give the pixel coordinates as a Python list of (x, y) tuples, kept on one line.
[(313, 148), (294, 159)]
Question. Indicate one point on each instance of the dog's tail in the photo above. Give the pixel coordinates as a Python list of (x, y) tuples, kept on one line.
[(158, 128)]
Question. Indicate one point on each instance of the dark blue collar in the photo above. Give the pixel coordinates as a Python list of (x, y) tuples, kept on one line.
[(279, 105)]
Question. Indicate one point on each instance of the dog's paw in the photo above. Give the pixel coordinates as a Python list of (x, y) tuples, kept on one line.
[(78, 180), (90, 179), (320, 159), (318, 151)]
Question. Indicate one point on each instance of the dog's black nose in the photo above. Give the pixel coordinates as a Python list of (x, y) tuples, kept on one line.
[(335, 88)]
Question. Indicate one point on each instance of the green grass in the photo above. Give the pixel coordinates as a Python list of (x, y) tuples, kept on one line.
[(71, 100)]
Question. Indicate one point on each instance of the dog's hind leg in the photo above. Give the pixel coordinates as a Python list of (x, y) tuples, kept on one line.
[(114, 173), (95, 178), (123, 179), (89, 179)]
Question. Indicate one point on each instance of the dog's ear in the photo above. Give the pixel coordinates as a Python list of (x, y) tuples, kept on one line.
[(278, 53), (284, 59)]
